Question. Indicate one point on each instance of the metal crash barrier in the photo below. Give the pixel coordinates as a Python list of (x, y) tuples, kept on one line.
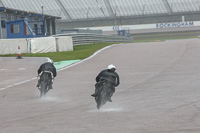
[(88, 38)]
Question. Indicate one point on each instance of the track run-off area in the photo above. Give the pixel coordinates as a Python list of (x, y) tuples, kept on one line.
[(159, 92)]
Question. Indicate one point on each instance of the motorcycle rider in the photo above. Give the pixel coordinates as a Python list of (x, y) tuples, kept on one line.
[(110, 75), (48, 66)]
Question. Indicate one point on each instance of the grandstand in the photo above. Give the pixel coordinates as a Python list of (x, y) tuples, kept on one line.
[(90, 13), (71, 10)]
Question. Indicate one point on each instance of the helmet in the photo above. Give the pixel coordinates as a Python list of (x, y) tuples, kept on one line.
[(49, 60), (111, 66)]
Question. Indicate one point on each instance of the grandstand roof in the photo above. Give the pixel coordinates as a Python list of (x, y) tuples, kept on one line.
[(50, 7), (70, 10)]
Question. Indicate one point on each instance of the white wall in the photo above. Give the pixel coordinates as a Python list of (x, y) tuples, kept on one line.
[(147, 26), (10, 46), (64, 43), (36, 45), (42, 45)]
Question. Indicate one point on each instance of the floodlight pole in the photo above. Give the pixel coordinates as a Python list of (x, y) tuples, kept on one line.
[(143, 9), (116, 15), (87, 16), (42, 9), (44, 33), (1, 26)]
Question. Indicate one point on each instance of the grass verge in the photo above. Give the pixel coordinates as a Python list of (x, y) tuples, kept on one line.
[(84, 51), (80, 52), (155, 39)]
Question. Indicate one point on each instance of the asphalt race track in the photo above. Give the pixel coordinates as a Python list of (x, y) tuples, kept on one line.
[(159, 92)]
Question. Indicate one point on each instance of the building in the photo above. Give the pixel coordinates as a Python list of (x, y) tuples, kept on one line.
[(14, 11), (68, 14)]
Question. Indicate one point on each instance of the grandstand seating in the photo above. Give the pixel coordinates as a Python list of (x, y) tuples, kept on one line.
[(97, 9), (84, 9), (184, 5), (137, 7), (50, 6)]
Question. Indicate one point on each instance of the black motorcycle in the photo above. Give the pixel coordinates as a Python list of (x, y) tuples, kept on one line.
[(45, 80), (104, 93)]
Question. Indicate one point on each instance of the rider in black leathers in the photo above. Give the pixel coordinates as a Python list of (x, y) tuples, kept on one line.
[(48, 66), (110, 75)]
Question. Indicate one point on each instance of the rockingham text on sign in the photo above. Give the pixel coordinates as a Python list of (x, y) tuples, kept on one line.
[(175, 24)]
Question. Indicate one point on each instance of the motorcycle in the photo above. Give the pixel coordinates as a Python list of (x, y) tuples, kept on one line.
[(45, 80), (104, 93)]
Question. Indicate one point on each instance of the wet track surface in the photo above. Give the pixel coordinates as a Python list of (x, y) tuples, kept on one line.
[(159, 92)]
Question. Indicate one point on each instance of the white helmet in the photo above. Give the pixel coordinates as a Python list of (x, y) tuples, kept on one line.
[(49, 60), (111, 66)]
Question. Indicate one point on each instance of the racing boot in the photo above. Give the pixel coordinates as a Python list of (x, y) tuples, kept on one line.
[(94, 95), (110, 100), (50, 86), (37, 85)]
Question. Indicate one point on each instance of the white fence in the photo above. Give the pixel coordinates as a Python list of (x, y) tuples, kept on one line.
[(36, 45)]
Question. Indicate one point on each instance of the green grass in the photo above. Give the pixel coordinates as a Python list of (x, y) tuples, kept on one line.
[(80, 52), (84, 51), (162, 39), (166, 34), (157, 37)]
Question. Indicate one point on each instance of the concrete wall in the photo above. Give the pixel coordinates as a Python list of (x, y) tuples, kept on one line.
[(150, 28), (134, 20)]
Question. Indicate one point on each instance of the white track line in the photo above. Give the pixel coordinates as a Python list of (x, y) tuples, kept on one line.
[(60, 69), (16, 84), (86, 58)]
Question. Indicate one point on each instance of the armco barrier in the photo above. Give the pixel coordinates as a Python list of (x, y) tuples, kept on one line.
[(87, 38)]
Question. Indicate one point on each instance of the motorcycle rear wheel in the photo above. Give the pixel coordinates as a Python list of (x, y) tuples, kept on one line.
[(43, 89), (101, 98)]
